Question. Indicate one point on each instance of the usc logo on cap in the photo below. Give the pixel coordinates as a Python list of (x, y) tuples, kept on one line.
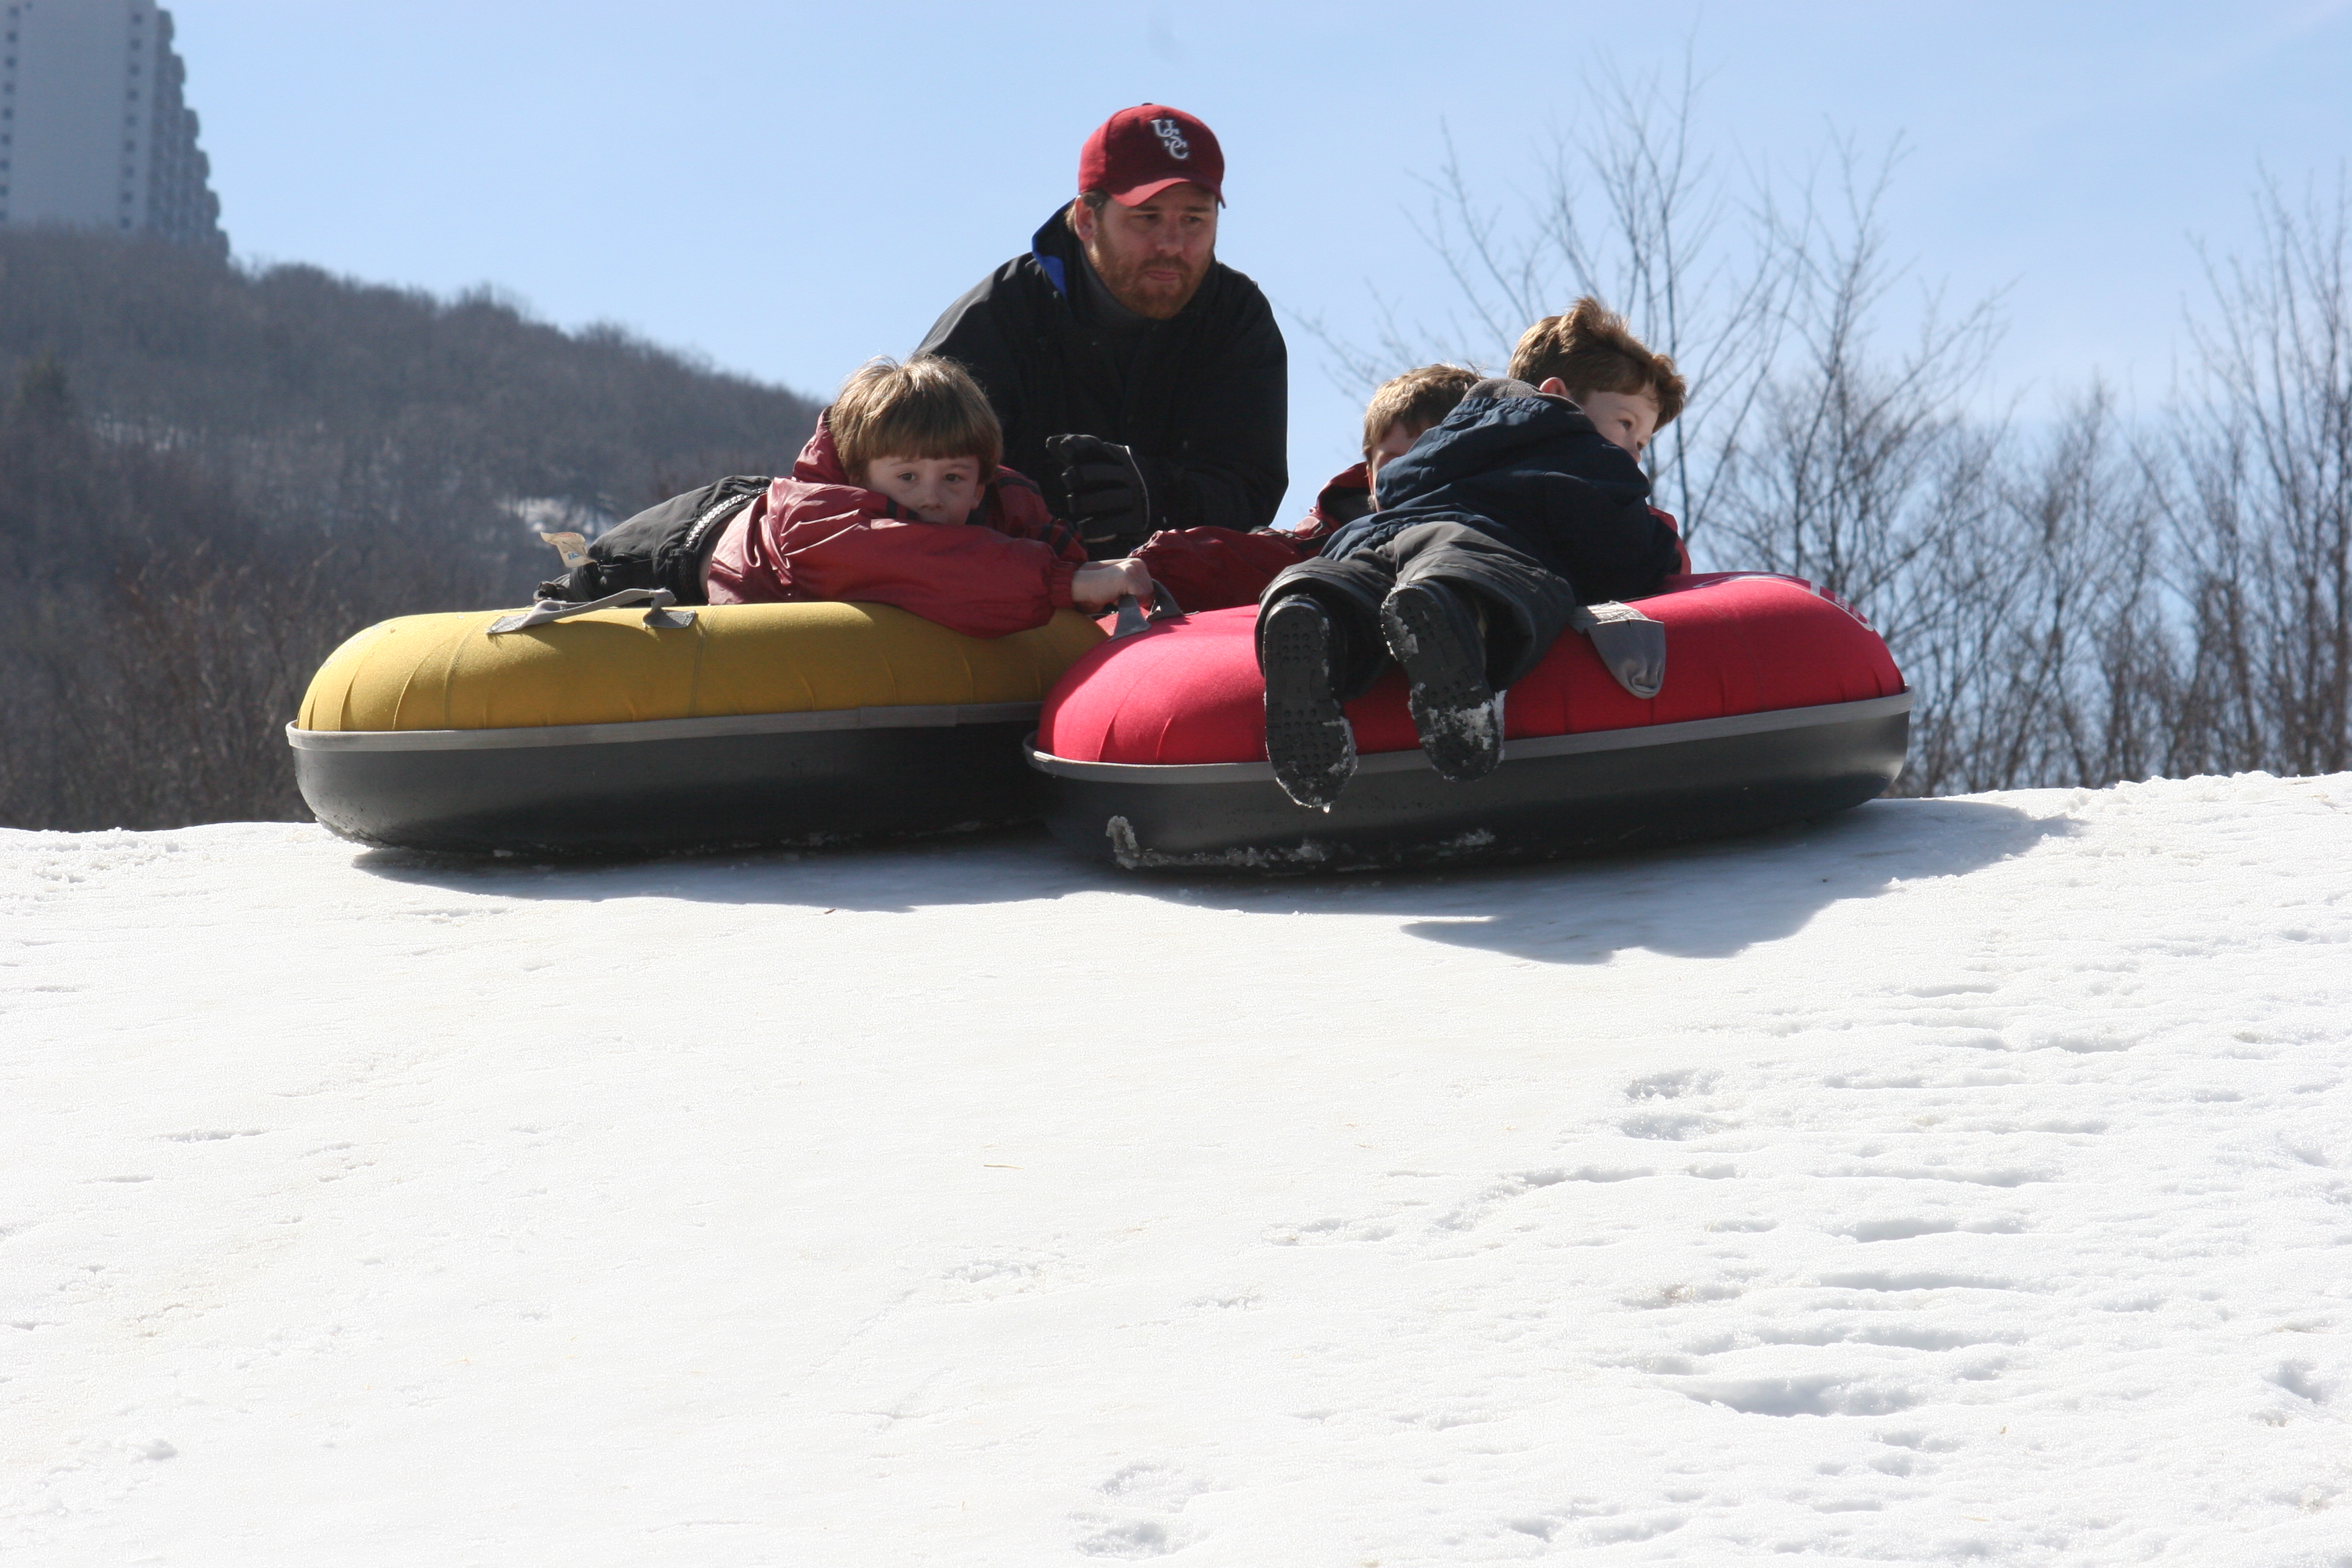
[(1140, 151)]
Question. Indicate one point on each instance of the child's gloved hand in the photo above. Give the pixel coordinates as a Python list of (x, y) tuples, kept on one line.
[(1102, 491), (1098, 584)]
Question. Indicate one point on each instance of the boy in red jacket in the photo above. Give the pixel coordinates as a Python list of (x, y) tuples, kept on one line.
[(899, 500)]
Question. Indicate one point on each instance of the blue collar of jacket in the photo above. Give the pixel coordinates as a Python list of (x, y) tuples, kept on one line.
[(1056, 249)]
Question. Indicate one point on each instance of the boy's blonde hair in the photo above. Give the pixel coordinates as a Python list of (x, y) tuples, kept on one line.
[(1591, 349), (927, 407), (1420, 397)]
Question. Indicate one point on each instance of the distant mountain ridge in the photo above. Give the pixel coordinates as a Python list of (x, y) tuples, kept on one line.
[(210, 476), (287, 358)]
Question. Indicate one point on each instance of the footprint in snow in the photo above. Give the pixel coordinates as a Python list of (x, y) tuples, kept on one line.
[(1148, 1499), (1818, 1394), (1328, 1230), (1670, 1084), (1012, 1271), (1668, 1126)]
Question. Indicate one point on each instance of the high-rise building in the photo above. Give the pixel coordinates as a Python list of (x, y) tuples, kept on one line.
[(93, 129)]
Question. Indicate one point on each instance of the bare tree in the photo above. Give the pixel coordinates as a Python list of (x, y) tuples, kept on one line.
[(2264, 524), (2047, 657), (1862, 462), (1626, 208)]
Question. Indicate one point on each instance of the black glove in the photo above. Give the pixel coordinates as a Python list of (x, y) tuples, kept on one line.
[(1102, 493)]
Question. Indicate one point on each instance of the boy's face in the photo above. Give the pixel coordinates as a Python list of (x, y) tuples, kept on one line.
[(1153, 256), (1395, 443), (1626, 419), (937, 490)]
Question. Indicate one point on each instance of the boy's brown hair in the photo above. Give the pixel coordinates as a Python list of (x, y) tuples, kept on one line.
[(1591, 349), (927, 407), (1419, 398)]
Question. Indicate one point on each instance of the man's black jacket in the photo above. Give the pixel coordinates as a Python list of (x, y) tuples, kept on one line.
[(1532, 472), (1205, 406)]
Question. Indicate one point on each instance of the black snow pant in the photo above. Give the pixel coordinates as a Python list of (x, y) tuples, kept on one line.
[(1525, 604)]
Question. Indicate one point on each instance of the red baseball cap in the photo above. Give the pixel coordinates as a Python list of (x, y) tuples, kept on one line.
[(1138, 153)]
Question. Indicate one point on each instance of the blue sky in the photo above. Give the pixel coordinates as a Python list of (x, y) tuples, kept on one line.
[(788, 189)]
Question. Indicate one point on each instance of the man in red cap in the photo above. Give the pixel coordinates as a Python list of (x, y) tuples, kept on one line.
[(1139, 379)]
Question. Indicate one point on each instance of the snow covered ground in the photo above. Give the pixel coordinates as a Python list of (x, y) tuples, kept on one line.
[(1958, 1179)]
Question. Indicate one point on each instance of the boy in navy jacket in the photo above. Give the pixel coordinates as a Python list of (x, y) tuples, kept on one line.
[(1494, 530)]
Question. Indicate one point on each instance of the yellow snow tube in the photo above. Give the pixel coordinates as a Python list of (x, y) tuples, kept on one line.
[(445, 672), (752, 724)]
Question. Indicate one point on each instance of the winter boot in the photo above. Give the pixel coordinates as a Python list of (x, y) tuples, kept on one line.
[(1436, 632), (1307, 735)]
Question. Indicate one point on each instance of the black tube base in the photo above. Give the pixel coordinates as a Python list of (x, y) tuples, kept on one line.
[(679, 795), (1595, 802)]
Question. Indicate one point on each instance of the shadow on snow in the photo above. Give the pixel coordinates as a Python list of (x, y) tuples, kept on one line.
[(1699, 901)]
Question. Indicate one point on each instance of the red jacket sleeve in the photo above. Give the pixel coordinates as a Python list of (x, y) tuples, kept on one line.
[(970, 579), (1676, 529), (1347, 496), (1216, 568)]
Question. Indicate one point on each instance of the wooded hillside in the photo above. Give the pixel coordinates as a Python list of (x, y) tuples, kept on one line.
[(209, 476)]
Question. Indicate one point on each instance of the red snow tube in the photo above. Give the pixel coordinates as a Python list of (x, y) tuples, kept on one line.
[(1779, 703)]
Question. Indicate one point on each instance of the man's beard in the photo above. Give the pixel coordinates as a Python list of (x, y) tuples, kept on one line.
[(1145, 297)]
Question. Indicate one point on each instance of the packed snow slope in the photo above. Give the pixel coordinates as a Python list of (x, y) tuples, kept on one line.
[(1955, 1180)]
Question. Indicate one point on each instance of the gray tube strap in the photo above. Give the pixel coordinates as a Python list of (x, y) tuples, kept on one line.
[(657, 601), (1131, 619), (1630, 642)]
